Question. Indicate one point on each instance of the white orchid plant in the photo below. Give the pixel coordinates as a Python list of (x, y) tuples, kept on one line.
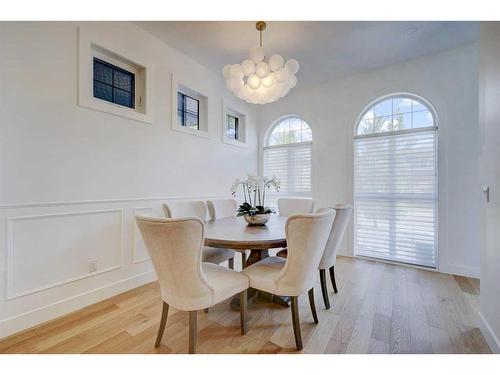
[(254, 190)]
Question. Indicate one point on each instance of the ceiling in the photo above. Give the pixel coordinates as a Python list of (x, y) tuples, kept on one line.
[(325, 50)]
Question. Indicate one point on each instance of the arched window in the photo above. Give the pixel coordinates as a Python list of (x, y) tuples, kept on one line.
[(287, 155), (395, 181)]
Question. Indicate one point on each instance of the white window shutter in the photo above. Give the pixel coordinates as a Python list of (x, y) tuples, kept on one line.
[(395, 196), (292, 165)]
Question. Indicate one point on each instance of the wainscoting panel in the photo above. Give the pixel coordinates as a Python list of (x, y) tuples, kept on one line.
[(57, 257), (45, 251)]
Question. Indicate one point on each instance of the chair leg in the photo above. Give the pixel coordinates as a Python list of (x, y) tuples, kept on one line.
[(296, 323), (193, 327), (324, 290), (243, 259), (332, 277), (243, 311), (163, 323), (313, 306), (231, 263)]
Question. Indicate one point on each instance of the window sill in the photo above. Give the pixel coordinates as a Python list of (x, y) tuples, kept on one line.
[(114, 109), (234, 142), (183, 129)]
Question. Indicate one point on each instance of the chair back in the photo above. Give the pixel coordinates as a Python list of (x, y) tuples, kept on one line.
[(295, 206), (175, 248), (306, 237), (221, 208), (343, 213), (178, 209)]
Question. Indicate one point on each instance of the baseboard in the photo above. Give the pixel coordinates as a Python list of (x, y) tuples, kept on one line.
[(43, 314), (489, 335), (455, 269)]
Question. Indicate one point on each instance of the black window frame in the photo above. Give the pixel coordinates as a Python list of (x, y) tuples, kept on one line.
[(236, 126), (113, 86), (184, 112)]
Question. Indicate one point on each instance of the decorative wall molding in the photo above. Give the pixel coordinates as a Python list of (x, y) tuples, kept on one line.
[(100, 201), (10, 251)]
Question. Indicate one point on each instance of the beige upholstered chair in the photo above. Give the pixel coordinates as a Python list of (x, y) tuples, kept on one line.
[(221, 208), (342, 215), (294, 206), (178, 209), (306, 237), (175, 247)]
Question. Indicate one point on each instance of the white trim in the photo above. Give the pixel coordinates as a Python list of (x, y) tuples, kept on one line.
[(98, 201), (202, 111), (10, 252), (490, 337), (54, 310), (87, 38)]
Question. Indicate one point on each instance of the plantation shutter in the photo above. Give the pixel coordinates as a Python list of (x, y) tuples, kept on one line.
[(291, 163), (395, 195)]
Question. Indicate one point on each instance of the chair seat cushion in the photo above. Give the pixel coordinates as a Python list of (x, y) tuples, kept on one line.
[(216, 255), (224, 282), (264, 274)]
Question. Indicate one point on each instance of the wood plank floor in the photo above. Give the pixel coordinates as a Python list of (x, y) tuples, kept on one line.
[(380, 308)]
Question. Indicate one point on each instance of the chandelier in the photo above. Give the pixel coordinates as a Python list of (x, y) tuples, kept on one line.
[(258, 81)]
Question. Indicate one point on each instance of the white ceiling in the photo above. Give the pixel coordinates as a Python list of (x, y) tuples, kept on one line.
[(325, 50)]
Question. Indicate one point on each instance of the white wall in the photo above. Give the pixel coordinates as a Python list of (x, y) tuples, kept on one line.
[(72, 178), (489, 89), (449, 81)]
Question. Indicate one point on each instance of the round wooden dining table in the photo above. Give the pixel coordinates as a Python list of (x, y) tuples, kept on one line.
[(234, 233)]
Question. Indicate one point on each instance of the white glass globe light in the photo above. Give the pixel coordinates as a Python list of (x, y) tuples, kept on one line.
[(276, 62), (253, 81), (235, 71), (262, 69), (248, 67), (280, 75), (259, 81), (268, 81), (257, 54), (292, 66)]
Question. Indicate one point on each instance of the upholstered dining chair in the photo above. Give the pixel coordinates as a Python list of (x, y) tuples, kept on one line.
[(175, 247), (178, 209), (222, 208), (293, 206), (306, 237), (342, 215)]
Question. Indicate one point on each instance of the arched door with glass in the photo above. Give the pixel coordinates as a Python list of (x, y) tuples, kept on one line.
[(395, 181), (287, 155)]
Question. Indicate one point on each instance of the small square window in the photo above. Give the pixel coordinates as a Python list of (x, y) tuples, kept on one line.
[(232, 127), (188, 111), (114, 84)]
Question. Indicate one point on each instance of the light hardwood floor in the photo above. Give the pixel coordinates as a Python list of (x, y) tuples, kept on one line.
[(380, 308)]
